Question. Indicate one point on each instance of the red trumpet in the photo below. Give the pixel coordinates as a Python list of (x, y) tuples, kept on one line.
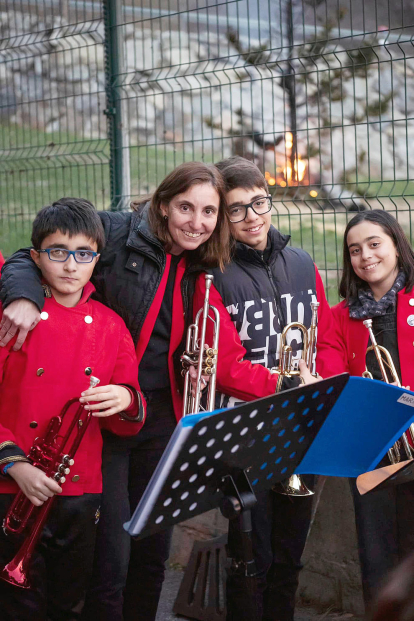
[(51, 455)]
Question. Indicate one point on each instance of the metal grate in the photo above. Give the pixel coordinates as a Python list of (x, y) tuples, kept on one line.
[(53, 138), (317, 92)]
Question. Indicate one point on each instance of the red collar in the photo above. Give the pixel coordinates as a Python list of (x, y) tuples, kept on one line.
[(86, 294)]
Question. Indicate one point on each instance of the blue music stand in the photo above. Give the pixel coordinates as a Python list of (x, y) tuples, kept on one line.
[(324, 428)]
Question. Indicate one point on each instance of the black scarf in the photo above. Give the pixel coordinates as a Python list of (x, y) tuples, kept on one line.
[(366, 307)]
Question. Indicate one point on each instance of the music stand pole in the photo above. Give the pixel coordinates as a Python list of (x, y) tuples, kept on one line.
[(236, 506)]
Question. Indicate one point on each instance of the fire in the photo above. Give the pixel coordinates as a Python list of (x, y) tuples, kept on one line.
[(289, 140), (270, 180), (299, 168), (284, 175)]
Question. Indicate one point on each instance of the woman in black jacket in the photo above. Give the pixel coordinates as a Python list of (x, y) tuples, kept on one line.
[(146, 274)]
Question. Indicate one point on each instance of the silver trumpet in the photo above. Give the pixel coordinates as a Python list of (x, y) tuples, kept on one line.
[(199, 355), (387, 367), (294, 486)]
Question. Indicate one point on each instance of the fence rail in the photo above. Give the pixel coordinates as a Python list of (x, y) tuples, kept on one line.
[(102, 99)]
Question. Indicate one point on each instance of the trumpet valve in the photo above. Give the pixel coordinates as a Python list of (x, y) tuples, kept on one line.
[(286, 359), (67, 460), (63, 469), (189, 359), (210, 352)]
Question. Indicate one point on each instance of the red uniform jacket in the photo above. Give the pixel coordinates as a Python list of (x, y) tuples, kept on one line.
[(1, 260), (177, 328), (351, 337), (246, 381), (54, 366)]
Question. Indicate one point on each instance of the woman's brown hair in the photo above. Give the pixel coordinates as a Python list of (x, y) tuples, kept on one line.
[(216, 250), (350, 282)]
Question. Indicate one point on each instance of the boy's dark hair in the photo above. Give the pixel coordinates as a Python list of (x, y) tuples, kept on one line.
[(238, 172), (72, 216), (350, 282)]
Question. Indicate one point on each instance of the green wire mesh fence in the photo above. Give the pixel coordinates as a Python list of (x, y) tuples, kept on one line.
[(103, 99), (53, 136)]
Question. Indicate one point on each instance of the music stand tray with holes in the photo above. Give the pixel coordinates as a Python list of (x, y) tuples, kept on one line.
[(324, 428)]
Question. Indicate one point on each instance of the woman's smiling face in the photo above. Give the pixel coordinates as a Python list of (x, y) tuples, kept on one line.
[(192, 216), (374, 256)]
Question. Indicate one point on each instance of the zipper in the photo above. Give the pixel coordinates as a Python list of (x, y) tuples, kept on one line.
[(192, 269), (278, 299), (162, 265)]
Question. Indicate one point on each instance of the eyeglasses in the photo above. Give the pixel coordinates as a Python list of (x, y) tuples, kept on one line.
[(62, 254), (260, 206)]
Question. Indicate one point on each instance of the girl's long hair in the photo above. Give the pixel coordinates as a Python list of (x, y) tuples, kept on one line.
[(217, 249), (350, 282)]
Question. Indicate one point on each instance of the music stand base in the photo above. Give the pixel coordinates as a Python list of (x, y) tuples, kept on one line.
[(201, 595)]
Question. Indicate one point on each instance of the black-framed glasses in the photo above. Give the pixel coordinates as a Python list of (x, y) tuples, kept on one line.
[(62, 254), (260, 206)]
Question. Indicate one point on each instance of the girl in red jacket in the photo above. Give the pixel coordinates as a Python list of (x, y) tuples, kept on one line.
[(377, 283)]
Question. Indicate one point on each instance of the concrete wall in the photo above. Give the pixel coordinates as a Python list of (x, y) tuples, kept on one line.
[(330, 576)]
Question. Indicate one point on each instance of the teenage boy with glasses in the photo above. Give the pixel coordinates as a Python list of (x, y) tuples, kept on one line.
[(267, 285), (77, 337)]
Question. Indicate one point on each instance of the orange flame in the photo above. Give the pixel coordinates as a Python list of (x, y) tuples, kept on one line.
[(289, 140), (299, 168), (284, 174)]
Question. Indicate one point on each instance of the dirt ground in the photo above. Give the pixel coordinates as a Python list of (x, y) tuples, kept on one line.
[(172, 583)]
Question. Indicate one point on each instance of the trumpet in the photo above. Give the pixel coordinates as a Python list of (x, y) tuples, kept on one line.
[(50, 454), (388, 371), (294, 486), (198, 355)]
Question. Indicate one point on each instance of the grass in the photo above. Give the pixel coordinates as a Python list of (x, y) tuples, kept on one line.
[(35, 171), (36, 168)]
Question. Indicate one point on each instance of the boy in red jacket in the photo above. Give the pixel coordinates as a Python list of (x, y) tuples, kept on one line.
[(77, 337)]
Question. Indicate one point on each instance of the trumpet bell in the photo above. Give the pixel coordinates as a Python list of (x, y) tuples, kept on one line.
[(15, 573), (293, 486)]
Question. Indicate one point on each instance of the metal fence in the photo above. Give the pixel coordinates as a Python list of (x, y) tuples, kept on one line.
[(103, 99)]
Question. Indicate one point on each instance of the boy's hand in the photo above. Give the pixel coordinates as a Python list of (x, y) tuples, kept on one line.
[(19, 316), (109, 400), (193, 379), (396, 384), (33, 482), (306, 375)]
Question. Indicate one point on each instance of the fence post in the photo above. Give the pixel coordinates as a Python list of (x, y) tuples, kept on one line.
[(116, 111)]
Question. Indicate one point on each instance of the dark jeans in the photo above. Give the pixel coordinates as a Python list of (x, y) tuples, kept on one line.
[(384, 523), (128, 574), (61, 565), (280, 527)]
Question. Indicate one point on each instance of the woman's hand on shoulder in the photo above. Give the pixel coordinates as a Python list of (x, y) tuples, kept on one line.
[(19, 318), (106, 400)]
